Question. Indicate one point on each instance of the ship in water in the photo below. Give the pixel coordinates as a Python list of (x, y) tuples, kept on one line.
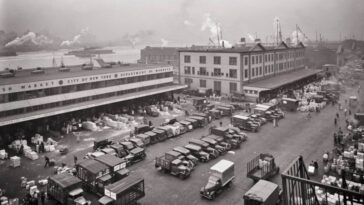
[(89, 52)]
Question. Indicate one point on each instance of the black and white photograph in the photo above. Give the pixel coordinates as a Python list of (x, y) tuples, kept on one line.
[(181, 102)]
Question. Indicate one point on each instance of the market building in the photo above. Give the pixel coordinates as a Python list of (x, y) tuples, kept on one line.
[(33, 94), (238, 69)]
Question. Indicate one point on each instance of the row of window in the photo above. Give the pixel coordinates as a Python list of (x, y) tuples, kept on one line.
[(233, 87), (216, 60), (255, 59), (24, 95), (78, 100), (233, 73)]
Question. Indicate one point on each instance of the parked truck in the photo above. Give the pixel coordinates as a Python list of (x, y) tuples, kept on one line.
[(185, 152), (197, 152), (262, 167), (171, 163), (124, 192), (65, 189), (263, 193), (222, 175), (205, 147), (135, 155), (214, 144)]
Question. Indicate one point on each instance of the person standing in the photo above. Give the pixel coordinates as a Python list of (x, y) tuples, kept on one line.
[(46, 162), (75, 159)]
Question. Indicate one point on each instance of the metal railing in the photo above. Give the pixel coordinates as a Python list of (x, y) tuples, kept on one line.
[(298, 189)]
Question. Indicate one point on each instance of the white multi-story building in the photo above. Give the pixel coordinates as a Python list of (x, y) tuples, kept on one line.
[(229, 70)]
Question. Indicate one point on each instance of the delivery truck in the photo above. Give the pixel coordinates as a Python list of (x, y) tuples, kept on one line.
[(171, 163), (263, 193), (65, 189), (185, 152), (197, 152), (222, 175), (124, 192), (205, 147)]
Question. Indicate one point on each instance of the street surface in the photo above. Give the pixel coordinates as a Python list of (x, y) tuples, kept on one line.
[(295, 136)]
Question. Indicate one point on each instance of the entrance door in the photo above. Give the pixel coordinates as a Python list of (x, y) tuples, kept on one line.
[(217, 87)]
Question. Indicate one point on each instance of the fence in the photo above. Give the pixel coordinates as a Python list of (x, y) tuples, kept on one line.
[(298, 189)]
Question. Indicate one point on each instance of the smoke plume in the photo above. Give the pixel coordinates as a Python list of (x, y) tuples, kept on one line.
[(28, 39), (138, 37), (250, 37), (215, 30), (164, 42), (84, 38)]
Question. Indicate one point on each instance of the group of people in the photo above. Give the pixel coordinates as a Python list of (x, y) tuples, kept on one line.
[(35, 199)]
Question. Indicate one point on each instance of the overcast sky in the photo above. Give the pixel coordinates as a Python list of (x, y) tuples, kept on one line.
[(181, 20)]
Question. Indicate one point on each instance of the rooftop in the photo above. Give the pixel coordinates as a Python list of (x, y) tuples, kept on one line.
[(93, 166), (241, 49), (110, 160), (65, 179), (51, 73), (124, 184), (282, 79)]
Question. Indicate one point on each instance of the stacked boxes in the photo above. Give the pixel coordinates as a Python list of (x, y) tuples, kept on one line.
[(15, 161), (3, 154)]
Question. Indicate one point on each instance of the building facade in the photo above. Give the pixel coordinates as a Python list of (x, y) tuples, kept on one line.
[(33, 94), (160, 55), (227, 70)]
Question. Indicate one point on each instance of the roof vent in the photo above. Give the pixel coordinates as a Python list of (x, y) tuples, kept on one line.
[(38, 70), (87, 67)]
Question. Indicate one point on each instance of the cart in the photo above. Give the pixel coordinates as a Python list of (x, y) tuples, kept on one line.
[(262, 167)]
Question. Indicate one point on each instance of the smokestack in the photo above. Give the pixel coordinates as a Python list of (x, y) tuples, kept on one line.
[(223, 44), (288, 41)]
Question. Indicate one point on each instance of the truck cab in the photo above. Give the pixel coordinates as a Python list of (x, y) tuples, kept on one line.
[(202, 122), (119, 150), (171, 163), (205, 147), (222, 175), (197, 152), (213, 143), (185, 152), (135, 155), (187, 124), (137, 142), (161, 134), (152, 136), (127, 145), (194, 122), (109, 151)]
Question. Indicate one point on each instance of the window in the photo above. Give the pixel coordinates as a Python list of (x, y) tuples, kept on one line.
[(256, 59), (202, 59), (233, 73), (188, 81), (187, 59), (260, 59), (246, 73), (265, 57), (260, 70), (246, 59), (253, 72), (253, 60), (187, 70), (203, 83), (202, 71), (193, 70), (233, 61), (217, 60), (217, 71), (233, 87)]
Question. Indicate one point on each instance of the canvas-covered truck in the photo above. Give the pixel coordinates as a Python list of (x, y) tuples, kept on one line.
[(65, 188), (214, 144), (124, 192), (263, 193), (186, 153), (205, 147), (262, 167), (222, 175), (171, 163), (197, 152)]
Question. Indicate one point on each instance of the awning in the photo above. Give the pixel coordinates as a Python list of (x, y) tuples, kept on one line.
[(84, 105), (281, 79)]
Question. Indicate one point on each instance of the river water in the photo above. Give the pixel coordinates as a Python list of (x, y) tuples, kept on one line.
[(44, 58)]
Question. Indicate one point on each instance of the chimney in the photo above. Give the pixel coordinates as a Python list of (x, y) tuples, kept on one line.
[(241, 43), (223, 44)]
